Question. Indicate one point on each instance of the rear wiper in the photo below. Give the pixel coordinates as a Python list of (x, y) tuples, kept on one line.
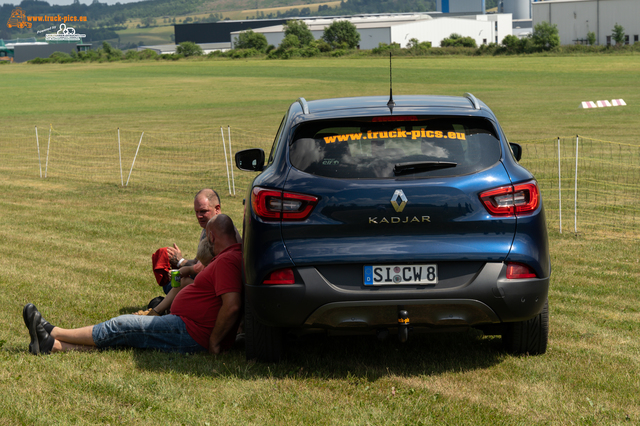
[(421, 166)]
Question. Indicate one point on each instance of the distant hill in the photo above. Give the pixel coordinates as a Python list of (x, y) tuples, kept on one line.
[(151, 21)]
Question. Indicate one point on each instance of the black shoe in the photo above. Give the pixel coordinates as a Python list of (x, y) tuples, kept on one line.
[(28, 309), (155, 302), (41, 341)]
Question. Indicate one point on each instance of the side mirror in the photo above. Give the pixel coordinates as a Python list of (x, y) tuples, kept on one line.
[(251, 160), (516, 149)]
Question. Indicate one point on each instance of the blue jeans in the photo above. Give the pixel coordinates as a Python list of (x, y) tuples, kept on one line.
[(167, 333)]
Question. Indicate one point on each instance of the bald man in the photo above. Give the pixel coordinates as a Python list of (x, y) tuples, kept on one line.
[(204, 315)]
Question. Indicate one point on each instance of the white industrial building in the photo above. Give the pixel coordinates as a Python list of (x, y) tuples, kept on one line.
[(576, 18), (400, 28)]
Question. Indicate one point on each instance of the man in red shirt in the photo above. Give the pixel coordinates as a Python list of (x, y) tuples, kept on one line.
[(204, 315)]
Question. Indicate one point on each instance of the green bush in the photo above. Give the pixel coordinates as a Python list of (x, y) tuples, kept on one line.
[(511, 44), (40, 61), (416, 47), (322, 46), (384, 49), (290, 41), (189, 48), (456, 40), (61, 58), (300, 30), (250, 40), (341, 35), (545, 36), (617, 34), (243, 53), (489, 49), (131, 55), (148, 54)]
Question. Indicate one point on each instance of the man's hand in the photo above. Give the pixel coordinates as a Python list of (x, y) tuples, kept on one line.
[(186, 271), (175, 254), (227, 317)]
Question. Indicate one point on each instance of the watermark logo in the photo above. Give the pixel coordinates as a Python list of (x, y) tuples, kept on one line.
[(18, 19), (65, 34)]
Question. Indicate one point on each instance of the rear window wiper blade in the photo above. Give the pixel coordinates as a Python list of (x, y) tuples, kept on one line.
[(421, 166)]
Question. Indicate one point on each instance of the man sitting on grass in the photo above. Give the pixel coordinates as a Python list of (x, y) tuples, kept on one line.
[(204, 256), (204, 315)]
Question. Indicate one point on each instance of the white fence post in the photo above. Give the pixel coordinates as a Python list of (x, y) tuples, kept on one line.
[(134, 158), (233, 181), (559, 187), (46, 164), (575, 200), (226, 160), (120, 157), (38, 145)]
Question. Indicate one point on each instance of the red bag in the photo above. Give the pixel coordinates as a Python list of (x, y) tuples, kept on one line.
[(161, 266)]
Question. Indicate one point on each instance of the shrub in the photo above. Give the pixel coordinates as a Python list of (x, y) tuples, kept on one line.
[(384, 49), (322, 46), (300, 30), (40, 61), (618, 34), (591, 38), (243, 53), (290, 41), (341, 35), (415, 47), (189, 48), (131, 55), (148, 54), (60, 57), (456, 40), (545, 36), (511, 44), (489, 49), (251, 40)]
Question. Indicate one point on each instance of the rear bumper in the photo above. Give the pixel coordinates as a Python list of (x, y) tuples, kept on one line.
[(489, 298)]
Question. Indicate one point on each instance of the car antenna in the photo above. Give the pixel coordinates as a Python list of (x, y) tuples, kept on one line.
[(390, 104)]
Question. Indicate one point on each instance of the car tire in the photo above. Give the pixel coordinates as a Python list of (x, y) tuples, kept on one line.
[(262, 343), (528, 337)]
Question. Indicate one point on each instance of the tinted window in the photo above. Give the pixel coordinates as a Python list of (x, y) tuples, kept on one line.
[(378, 148), (275, 142)]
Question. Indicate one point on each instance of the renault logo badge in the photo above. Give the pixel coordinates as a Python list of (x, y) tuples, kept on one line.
[(394, 200)]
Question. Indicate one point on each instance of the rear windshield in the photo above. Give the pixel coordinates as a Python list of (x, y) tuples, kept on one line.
[(407, 146)]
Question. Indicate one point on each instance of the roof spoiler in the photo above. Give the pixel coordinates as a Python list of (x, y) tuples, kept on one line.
[(473, 100), (305, 106)]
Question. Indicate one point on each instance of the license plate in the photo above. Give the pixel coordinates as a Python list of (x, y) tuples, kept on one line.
[(400, 274)]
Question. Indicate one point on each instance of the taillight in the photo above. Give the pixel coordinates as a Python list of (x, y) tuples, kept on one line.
[(517, 271), (281, 276), (513, 200), (275, 205)]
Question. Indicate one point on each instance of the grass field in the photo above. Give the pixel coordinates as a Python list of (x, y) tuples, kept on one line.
[(81, 252)]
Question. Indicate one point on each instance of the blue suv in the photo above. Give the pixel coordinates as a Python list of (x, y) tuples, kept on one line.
[(374, 215)]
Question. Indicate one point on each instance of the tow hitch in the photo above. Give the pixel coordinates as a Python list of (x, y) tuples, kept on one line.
[(403, 324)]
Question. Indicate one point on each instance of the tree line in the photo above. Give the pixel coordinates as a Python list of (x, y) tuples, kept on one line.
[(342, 38)]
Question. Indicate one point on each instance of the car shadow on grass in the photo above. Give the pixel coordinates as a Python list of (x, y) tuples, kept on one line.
[(362, 357)]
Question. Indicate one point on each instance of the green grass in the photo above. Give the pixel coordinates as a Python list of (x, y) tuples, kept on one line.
[(81, 252)]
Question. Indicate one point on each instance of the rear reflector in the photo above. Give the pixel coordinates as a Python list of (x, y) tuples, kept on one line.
[(281, 276), (278, 205), (517, 200), (518, 271)]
